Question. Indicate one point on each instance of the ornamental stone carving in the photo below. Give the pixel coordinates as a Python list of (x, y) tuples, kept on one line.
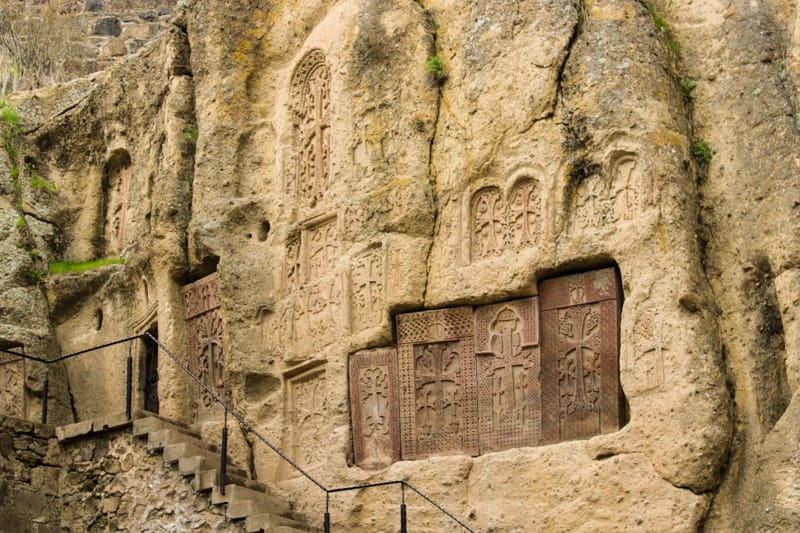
[(12, 386), (438, 396), (375, 411), (580, 369), (307, 414), (507, 349), (204, 329), (311, 107), (499, 223)]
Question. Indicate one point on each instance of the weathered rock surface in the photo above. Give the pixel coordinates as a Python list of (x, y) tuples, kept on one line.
[(301, 151)]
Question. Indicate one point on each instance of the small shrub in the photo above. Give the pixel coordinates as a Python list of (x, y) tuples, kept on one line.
[(189, 135), (435, 67), (21, 223), (34, 254), (41, 183), (35, 275), (688, 85), (702, 152)]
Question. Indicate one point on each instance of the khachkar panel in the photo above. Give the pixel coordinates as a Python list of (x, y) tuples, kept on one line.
[(374, 405), (580, 369), (438, 393), (507, 349), (204, 330), (307, 414), (367, 289), (312, 254), (499, 223), (605, 200), (118, 178), (311, 103), (644, 357), (12, 386), (317, 317)]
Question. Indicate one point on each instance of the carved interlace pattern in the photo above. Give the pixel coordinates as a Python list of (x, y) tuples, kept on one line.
[(579, 359)]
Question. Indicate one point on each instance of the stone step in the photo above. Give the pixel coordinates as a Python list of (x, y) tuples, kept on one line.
[(243, 508), (143, 426), (158, 439), (172, 453), (234, 492), (270, 522)]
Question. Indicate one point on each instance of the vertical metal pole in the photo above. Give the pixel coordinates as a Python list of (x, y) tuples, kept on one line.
[(223, 460), (327, 522), (45, 390), (403, 527), (129, 383)]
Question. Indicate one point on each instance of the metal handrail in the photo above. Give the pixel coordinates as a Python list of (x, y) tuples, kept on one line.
[(240, 418)]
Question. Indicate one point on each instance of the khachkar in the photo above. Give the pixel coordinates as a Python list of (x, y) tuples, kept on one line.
[(374, 407), (438, 396), (205, 338), (507, 349), (580, 374)]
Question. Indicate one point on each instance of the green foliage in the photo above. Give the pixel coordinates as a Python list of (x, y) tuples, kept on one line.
[(658, 20), (80, 266), (702, 152), (9, 116), (21, 223), (35, 275), (41, 183), (435, 67), (688, 85), (189, 135), (673, 47), (34, 254)]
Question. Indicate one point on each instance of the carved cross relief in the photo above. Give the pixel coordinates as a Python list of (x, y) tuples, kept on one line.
[(118, 176), (505, 223), (204, 329), (580, 369), (604, 200), (307, 412), (311, 101), (475, 381)]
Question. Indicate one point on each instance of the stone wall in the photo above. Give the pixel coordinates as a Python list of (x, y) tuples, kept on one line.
[(29, 478), (110, 483), (290, 181)]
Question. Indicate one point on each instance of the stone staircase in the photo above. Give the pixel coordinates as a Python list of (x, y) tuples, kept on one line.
[(246, 502)]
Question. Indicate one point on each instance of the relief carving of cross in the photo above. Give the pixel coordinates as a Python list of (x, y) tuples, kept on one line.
[(433, 367)]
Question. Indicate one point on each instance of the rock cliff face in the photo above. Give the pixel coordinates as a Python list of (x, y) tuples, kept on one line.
[(299, 165)]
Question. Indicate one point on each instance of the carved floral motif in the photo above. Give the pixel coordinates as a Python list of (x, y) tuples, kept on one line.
[(308, 415)]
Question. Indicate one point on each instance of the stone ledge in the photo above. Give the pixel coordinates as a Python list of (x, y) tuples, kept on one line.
[(97, 425)]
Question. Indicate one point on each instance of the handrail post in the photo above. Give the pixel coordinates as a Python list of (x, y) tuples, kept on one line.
[(223, 460), (129, 383), (403, 527), (327, 521), (45, 390)]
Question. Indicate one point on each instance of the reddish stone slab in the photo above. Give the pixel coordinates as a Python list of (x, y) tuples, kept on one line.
[(438, 393), (374, 407), (507, 350), (204, 330), (580, 361)]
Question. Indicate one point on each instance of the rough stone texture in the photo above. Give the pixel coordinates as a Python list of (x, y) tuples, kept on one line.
[(29, 487), (558, 142), (110, 483)]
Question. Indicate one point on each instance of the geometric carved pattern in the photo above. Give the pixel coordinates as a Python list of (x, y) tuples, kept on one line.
[(12, 383), (506, 344), (321, 241), (204, 329), (308, 416), (375, 413), (367, 280), (498, 225), (317, 316), (580, 372), (438, 397), (311, 103)]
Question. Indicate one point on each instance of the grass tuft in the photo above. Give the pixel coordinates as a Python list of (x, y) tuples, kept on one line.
[(61, 267)]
